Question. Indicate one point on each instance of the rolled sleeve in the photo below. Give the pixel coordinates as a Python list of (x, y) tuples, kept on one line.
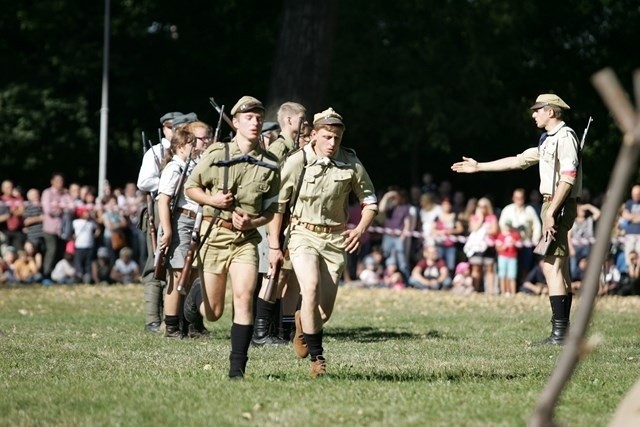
[(529, 157)]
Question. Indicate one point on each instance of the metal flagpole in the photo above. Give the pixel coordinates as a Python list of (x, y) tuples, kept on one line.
[(104, 109)]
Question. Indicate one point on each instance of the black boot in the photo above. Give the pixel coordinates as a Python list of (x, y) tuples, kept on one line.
[(237, 366), (287, 328), (262, 335), (559, 330)]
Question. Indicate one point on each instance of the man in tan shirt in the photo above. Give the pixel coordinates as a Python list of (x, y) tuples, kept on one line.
[(558, 157), (237, 183), (327, 174)]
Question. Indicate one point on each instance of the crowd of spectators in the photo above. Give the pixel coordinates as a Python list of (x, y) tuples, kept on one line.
[(432, 237), (429, 237), (67, 235)]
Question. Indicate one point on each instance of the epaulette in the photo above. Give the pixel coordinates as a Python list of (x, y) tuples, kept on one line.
[(215, 147), (292, 152)]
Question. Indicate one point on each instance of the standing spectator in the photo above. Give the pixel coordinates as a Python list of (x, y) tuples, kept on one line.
[(431, 272), (483, 227), (84, 234), (11, 211), (114, 221), (582, 234), (507, 248), (33, 217), (398, 221), (55, 203), (631, 224), (131, 203), (429, 211), (526, 220), (446, 230)]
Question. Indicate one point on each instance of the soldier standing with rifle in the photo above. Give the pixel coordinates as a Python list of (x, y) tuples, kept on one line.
[(177, 217), (325, 174), (237, 184), (148, 179), (290, 118), (558, 156)]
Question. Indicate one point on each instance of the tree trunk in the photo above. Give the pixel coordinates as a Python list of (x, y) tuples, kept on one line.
[(300, 72)]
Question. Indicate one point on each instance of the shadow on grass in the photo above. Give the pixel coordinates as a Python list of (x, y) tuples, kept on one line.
[(415, 375), (369, 334)]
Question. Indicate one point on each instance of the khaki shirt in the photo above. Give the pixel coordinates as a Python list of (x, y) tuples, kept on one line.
[(566, 163), (326, 185), (281, 146), (255, 187)]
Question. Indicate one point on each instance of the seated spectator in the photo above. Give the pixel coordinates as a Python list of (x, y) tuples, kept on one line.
[(535, 283), (64, 272), (125, 270), (7, 265), (371, 276), (26, 269), (633, 271), (101, 268), (462, 282), (610, 278), (431, 272), (577, 276), (392, 278), (507, 248), (33, 253)]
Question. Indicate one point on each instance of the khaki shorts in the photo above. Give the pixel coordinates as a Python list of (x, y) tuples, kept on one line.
[(329, 247), (224, 247), (560, 246)]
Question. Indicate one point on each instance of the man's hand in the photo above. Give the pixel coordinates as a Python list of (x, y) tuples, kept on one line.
[(241, 220), (467, 165), (275, 256), (549, 227), (352, 241), (221, 200)]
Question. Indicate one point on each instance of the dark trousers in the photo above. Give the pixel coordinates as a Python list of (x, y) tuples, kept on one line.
[(153, 289), (53, 247)]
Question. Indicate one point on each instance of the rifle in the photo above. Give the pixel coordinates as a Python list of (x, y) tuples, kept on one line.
[(273, 276), (188, 261), (221, 112), (545, 242)]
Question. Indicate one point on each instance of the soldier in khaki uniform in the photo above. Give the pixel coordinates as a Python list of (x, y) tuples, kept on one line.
[(237, 184), (327, 174), (290, 116), (558, 157)]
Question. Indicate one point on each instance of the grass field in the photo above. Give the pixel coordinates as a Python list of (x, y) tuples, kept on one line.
[(79, 356)]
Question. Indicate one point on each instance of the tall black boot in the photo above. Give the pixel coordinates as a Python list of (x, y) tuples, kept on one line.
[(560, 307), (262, 331)]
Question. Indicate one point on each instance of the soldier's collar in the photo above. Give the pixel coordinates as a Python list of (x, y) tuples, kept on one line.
[(556, 129)]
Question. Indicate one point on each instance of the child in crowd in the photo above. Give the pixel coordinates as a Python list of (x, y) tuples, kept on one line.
[(125, 270), (64, 272), (101, 268), (26, 269), (371, 276), (507, 248), (462, 281), (7, 265), (392, 278), (85, 231)]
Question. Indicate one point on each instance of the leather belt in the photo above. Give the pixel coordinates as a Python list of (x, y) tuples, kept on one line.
[(319, 228), (221, 223), (187, 213), (549, 197)]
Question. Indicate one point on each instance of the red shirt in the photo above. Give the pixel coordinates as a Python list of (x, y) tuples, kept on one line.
[(506, 244)]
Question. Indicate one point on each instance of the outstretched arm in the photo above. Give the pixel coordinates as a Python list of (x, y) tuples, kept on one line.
[(469, 165)]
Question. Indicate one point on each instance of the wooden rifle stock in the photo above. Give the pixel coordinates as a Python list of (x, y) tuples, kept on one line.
[(159, 265), (182, 286), (273, 276), (151, 225)]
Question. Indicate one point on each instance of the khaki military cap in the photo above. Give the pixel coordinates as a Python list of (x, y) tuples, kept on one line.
[(328, 117), (549, 99), (247, 103)]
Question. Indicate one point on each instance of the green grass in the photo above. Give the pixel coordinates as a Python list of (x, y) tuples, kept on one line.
[(79, 356)]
